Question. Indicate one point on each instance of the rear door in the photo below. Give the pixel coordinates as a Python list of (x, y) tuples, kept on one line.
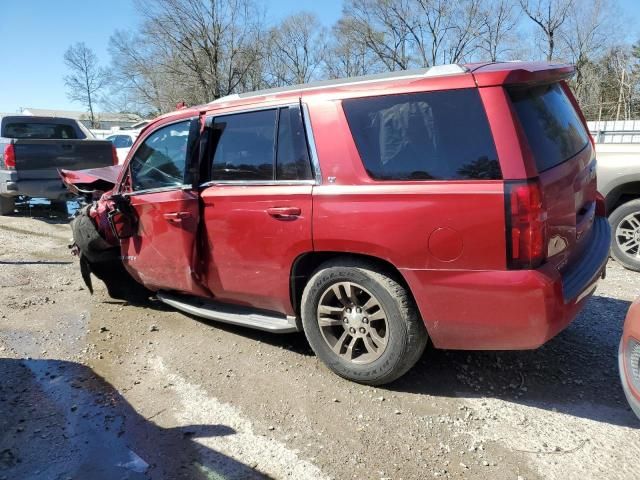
[(162, 252), (565, 161), (257, 206)]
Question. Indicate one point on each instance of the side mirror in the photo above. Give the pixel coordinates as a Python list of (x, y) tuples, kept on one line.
[(122, 218)]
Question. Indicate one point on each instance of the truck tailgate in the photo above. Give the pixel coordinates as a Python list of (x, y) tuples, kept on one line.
[(41, 159)]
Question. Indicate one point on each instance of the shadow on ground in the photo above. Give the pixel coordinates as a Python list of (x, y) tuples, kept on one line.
[(575, 373), (60, 420), (43, 210)]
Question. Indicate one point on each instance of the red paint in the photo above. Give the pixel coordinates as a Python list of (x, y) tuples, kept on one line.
[(249, 248), (448, 239)]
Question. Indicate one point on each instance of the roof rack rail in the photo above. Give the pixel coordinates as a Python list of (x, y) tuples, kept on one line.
[(435, 71)]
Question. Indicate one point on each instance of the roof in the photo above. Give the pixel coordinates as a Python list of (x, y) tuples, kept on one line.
[(436, 71), (76, 115)]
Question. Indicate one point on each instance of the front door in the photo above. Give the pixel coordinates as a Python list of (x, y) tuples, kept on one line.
[(161, 254), (257, 209)]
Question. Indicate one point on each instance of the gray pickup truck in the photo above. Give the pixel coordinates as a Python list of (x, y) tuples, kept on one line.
[(32, 149), (618, 155)]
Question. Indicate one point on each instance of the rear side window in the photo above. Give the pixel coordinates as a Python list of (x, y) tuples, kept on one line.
[(245, 146), (260, 146), (38, 131), (441, 135), (553, 128), (292, 162)]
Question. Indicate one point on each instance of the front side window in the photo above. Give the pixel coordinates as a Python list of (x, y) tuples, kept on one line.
[(442, 135), (159, 162)]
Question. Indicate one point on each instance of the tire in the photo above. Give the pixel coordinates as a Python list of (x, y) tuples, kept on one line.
[(625, 234), (7, 205), (383, 348), (59, 206)]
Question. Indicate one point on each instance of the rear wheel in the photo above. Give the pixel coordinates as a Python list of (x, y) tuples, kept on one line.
[(7, 205), (361, 322), (625, 232)]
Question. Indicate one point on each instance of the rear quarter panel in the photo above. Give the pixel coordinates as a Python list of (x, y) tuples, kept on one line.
[(443, 227)]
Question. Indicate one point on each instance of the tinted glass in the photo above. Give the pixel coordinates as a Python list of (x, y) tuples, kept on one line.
[(552, 126), (39, 131), (245, 146), (160, 161), (424, 136), (292, 161)]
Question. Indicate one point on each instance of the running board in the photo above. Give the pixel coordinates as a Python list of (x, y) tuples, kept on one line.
[(234, 314)]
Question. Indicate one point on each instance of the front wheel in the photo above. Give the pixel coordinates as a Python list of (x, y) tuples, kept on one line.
[(625, 232), (361, 322)]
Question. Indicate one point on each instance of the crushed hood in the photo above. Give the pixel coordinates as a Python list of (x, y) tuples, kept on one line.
[(90, 180)]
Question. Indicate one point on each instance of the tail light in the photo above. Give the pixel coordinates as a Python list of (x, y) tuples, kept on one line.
[(632, 360), (601, 205), (114, 155), (9, 156), (526, 224)]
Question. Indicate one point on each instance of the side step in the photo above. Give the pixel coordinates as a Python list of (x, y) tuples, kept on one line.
[(234, 314)]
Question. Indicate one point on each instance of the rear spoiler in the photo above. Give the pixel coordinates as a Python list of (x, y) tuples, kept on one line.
[(91, 180), (521, 73)]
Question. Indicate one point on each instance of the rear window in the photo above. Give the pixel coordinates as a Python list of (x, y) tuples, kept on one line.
[(552, 126), (38, 131), (424, 136)]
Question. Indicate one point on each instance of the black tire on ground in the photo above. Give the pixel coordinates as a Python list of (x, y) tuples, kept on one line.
[(405, 333), (59, 206), (7, 205), (620, 217)]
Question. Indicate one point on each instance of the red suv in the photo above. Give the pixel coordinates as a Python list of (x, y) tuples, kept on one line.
[(455, 202)]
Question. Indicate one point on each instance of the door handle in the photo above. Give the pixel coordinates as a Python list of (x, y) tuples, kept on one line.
[(284, 213), (176, 217)]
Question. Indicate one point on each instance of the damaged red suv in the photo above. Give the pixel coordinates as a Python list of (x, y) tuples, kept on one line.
[(456, 203)]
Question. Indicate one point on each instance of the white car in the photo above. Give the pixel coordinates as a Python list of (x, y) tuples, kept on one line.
[(123, 142)]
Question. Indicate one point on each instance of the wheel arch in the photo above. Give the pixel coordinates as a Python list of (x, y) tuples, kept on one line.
[(305, 264), (622, 194)]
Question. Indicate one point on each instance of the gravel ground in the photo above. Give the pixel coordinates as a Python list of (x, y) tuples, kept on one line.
[(100, 389)]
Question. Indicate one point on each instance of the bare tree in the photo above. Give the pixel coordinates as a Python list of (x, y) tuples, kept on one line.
[(586, 35), (346, 55), (499, 21), (296, 49), (190, 50), (86, 78), (376, 27), (549, 15)]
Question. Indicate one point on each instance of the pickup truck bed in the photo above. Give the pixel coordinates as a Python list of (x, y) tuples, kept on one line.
[(33, 149)]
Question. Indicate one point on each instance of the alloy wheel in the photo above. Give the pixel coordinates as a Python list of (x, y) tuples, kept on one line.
[(628, 235), (353, 322)]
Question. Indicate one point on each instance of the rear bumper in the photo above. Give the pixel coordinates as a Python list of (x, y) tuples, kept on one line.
[(12, 186), (507, 309)]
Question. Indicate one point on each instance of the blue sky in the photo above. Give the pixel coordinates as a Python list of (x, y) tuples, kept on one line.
[(35, 34)]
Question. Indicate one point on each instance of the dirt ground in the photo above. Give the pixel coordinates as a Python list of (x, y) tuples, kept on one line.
[(98, 389)]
